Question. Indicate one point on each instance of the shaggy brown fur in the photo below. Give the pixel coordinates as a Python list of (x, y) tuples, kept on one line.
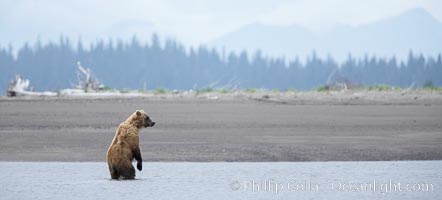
[(126, 146)]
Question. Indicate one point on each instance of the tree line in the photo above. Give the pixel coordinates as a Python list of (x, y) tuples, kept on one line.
[(169, 64)]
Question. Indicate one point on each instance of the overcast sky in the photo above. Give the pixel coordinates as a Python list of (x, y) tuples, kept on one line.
[(191, 21)]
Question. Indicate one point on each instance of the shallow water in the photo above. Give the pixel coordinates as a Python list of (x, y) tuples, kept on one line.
[(265, 180)]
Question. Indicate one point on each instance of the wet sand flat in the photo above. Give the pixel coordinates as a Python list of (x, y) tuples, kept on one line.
[(63, 129)]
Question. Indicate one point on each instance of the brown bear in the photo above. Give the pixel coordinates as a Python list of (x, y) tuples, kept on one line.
[(126, 146)]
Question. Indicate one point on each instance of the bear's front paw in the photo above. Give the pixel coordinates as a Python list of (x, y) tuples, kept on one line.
[(140, 166)]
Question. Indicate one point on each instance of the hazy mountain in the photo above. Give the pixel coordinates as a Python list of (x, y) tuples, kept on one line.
[(272, 40), (415, 29)]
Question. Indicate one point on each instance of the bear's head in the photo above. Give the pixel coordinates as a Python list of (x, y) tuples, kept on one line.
[(141, 119)]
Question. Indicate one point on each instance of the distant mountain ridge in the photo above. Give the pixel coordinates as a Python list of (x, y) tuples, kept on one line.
[(415, 30)]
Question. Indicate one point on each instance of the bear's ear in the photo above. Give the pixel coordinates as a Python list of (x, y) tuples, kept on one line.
[(138, 113)]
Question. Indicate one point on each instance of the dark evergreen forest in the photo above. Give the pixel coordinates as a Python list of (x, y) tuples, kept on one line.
[(168, 64)]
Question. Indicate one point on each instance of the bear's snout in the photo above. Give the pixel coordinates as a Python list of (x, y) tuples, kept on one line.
[(149, 123)]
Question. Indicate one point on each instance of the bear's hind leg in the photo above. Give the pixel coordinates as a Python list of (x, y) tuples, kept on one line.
[(114, 173), (128, 174)]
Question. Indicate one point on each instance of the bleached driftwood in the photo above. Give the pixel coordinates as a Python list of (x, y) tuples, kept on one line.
[(20, 86), (86, 80)]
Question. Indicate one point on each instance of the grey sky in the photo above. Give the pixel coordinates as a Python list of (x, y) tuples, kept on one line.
[(191, 21)]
